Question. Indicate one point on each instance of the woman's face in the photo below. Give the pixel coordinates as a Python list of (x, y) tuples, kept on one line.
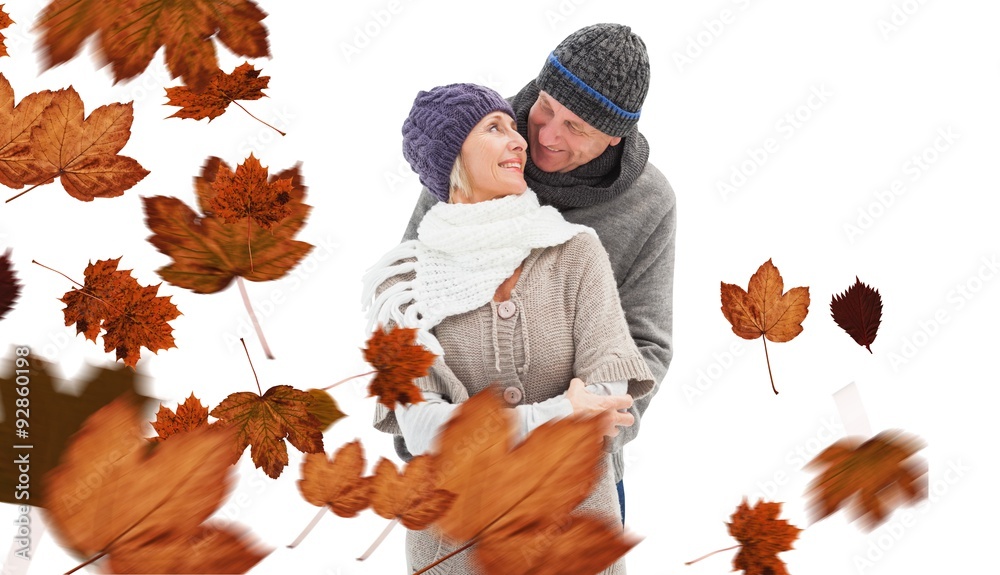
[(494, 155)]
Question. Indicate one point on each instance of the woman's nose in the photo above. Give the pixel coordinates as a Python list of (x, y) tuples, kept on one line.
[(517, 142)]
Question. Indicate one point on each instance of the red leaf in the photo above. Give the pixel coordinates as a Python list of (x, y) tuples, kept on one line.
[(859, 312)]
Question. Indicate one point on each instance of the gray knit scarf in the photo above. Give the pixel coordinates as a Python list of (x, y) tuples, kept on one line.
[(595, 182)]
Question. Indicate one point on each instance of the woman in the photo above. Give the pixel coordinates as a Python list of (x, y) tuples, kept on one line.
[(503, 290)]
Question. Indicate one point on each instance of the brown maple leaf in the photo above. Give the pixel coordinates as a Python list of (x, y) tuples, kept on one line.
[(10, 288), (858, 311), (132, 316), (190, 415), (208, 253), (264, 421), (16, 123), (544, 479), (869, 478), (337, 482), (579, 543), (132, 31), (55, 416), (4, 22), (244, 83), (247, 194), (398, 360), (112, 495), (411, 496), (82, 152), (763, 310), (762, 536)]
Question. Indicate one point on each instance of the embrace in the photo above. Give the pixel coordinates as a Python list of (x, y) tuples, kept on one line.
[(538, 259)]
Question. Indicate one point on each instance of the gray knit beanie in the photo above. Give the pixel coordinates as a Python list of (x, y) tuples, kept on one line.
[(601, 73), (437, 126)]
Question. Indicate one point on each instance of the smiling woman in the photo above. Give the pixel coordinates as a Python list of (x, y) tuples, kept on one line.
[(506, 292), (496, 169)]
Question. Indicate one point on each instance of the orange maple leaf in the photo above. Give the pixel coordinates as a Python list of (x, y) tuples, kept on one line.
[(264, 421), (763, 310), (411, 496), (244, 83), (144, 509), (337, 482), (762, 536), (132, 31), (81, 152), (578, 543), (544, 479), (870, 478), (247, 194), (4, 22), (16, 123), (132, 316), (398, 360), (190, 415), (208, 253)]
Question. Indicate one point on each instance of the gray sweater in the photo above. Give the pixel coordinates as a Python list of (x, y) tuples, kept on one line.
[(633, 209)]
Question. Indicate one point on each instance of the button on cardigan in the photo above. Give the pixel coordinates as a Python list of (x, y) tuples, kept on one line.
[(567, 323)]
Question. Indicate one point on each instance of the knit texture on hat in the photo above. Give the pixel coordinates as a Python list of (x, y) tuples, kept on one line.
[(438, 124), (601, 73), (599, 180)]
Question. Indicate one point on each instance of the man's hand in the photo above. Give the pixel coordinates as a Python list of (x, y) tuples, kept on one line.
[(593, 405)]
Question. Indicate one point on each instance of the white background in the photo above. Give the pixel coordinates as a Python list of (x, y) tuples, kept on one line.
[(343, 79)]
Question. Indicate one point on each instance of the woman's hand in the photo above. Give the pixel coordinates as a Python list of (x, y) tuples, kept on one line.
[(593, 405)]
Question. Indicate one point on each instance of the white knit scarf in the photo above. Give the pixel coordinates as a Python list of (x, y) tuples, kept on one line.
[(463, 253)]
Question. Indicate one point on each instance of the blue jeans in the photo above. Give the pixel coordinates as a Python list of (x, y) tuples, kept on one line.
[(621, 498)]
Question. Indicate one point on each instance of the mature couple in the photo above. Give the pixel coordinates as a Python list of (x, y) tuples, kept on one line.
[(540, 257)]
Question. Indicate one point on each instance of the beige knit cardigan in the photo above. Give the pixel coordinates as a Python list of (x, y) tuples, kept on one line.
[(568, 322)]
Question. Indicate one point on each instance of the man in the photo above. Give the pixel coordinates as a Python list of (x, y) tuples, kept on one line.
[(587, 158)]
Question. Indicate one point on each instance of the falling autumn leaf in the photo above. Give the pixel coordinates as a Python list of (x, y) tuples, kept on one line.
[(762, 536), (264, 421), (10, 288), (131, 315), (764, 310), (190, 415), (4, 22), (580, 543), (544, 479), (411, 496), (337, 482), (398, 360), (858, 311), (82, 152), (55, 417), (869, 478), (205, 550), (324, 408), (16, 124), (112, 495), (209, 253), (245, 83), (132, 31), (247, 194)]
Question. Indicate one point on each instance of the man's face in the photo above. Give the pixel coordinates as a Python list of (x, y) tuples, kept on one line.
[(559, 140)]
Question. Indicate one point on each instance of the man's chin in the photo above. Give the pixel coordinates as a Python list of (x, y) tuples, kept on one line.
[(546, 163)]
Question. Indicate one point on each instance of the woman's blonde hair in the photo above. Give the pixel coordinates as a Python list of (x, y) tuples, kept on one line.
[(458, 181)]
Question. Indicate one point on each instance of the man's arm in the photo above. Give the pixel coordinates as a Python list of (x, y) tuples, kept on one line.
[(647, 299), (425, 202)]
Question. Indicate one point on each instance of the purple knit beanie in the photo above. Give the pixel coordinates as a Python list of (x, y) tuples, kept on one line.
[(437, 126)]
